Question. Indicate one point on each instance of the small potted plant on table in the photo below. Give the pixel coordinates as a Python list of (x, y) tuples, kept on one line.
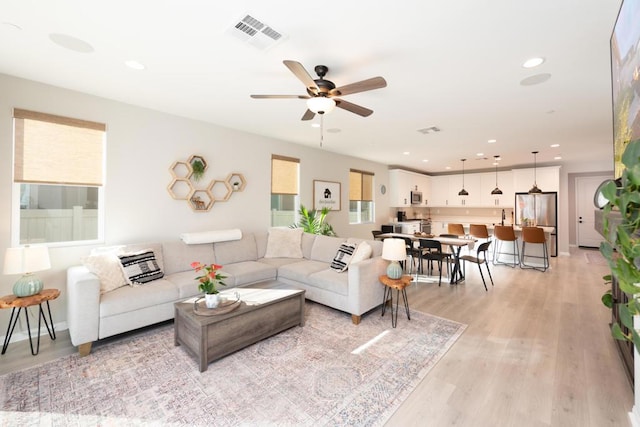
[(208, 280)]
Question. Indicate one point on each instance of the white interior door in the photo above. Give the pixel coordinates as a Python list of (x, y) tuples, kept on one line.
[(586, 234)]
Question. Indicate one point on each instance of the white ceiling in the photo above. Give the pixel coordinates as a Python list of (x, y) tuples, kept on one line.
[(451, 64)]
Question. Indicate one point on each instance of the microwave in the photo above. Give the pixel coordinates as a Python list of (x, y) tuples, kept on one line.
[(416, 197)]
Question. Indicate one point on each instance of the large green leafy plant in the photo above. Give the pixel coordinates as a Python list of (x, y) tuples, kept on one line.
[(622, 251), (314, 221)]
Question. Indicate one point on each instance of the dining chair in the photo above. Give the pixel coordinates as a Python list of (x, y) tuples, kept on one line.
[(412, 252), (430, 251), (480, 258), (505, 233), (534, 236)]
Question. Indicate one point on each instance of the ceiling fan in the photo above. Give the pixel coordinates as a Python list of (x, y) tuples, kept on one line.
[(322, 95)]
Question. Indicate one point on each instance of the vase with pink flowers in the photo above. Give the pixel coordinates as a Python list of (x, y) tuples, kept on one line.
[(208, 280)]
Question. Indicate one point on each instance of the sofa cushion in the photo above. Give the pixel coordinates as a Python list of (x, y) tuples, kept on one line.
[(279, 262), (363, 251), (132, 298), (300, 271), (261, 242), (185, 282), (376, 245), (178, 256), (247, 272), (325, 248), (284, 243), (108, 269), (307, 244), (343, 257), (138, 247), (236, 250), (140, 267)]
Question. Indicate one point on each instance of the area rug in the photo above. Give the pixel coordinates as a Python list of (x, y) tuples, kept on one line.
[(327, 373)]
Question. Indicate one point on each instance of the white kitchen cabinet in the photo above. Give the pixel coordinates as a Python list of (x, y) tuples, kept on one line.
[(488, 184), (547, 178), (439, 190), (445, 188), (438, 228), (402, 183), (471, 184)]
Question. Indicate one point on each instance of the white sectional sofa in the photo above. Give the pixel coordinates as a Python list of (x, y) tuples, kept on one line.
[(94, 314)]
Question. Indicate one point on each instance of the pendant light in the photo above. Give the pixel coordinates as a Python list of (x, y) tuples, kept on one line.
[(496, 191), (534, 189), (463, 192)]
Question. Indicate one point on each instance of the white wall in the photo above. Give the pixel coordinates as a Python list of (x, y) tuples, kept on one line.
[(141, 146)]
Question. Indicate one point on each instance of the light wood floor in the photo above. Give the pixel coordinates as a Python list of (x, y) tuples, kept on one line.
[(536, 352)]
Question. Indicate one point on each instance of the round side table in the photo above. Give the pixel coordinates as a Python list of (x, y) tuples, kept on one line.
[(400, 285), (13, 302)]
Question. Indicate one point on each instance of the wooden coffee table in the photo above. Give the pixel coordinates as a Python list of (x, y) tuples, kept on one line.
[(262, 313)]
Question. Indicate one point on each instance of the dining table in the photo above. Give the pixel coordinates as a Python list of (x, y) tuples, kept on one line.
[(456, 243)]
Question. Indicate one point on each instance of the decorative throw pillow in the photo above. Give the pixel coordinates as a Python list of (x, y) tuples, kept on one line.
[(284, 243), (140, 267), (108, 269), (363, 251), (341, 261)]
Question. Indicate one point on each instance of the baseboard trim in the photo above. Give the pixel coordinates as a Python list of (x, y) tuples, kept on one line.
[(24, 335)]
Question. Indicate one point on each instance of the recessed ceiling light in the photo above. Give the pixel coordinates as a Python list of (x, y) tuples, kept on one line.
[(495, 163), (491, 141), (425, 160), (406, 153), (134, 64), (71, 43), (557, 158), (555, 145), (447, 167), (533, 62), (479, 154), (315, 125)]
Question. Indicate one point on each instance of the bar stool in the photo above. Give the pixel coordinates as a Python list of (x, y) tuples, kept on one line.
[(456, 229), (505, 233), (534, 236)]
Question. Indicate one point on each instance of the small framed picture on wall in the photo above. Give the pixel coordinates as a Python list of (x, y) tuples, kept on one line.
[(326, 194)]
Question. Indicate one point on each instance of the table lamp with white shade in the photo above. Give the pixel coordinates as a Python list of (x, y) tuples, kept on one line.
[(27, 260), (394, 250)]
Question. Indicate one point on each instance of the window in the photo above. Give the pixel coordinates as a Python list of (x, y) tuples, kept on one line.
[(360, 197), (58, 174), (285, 173)]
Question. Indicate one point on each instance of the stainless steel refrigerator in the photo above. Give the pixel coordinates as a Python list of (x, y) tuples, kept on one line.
[(542, 209)]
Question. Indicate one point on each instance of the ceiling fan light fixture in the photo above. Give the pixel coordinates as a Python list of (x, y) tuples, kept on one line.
[(321, 104)]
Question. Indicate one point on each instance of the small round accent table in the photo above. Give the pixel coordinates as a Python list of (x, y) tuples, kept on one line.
[(400, 285), (13, 302)]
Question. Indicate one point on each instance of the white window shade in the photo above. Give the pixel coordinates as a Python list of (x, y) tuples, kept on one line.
[(57, 150)]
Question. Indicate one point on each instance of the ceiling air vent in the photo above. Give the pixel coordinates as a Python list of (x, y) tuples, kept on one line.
[(255, 32), (430, 129)]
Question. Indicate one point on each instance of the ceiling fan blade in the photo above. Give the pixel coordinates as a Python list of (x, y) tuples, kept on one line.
[(308, 115), (280, 96), (361, 86), (298, 70), (354, 108)]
